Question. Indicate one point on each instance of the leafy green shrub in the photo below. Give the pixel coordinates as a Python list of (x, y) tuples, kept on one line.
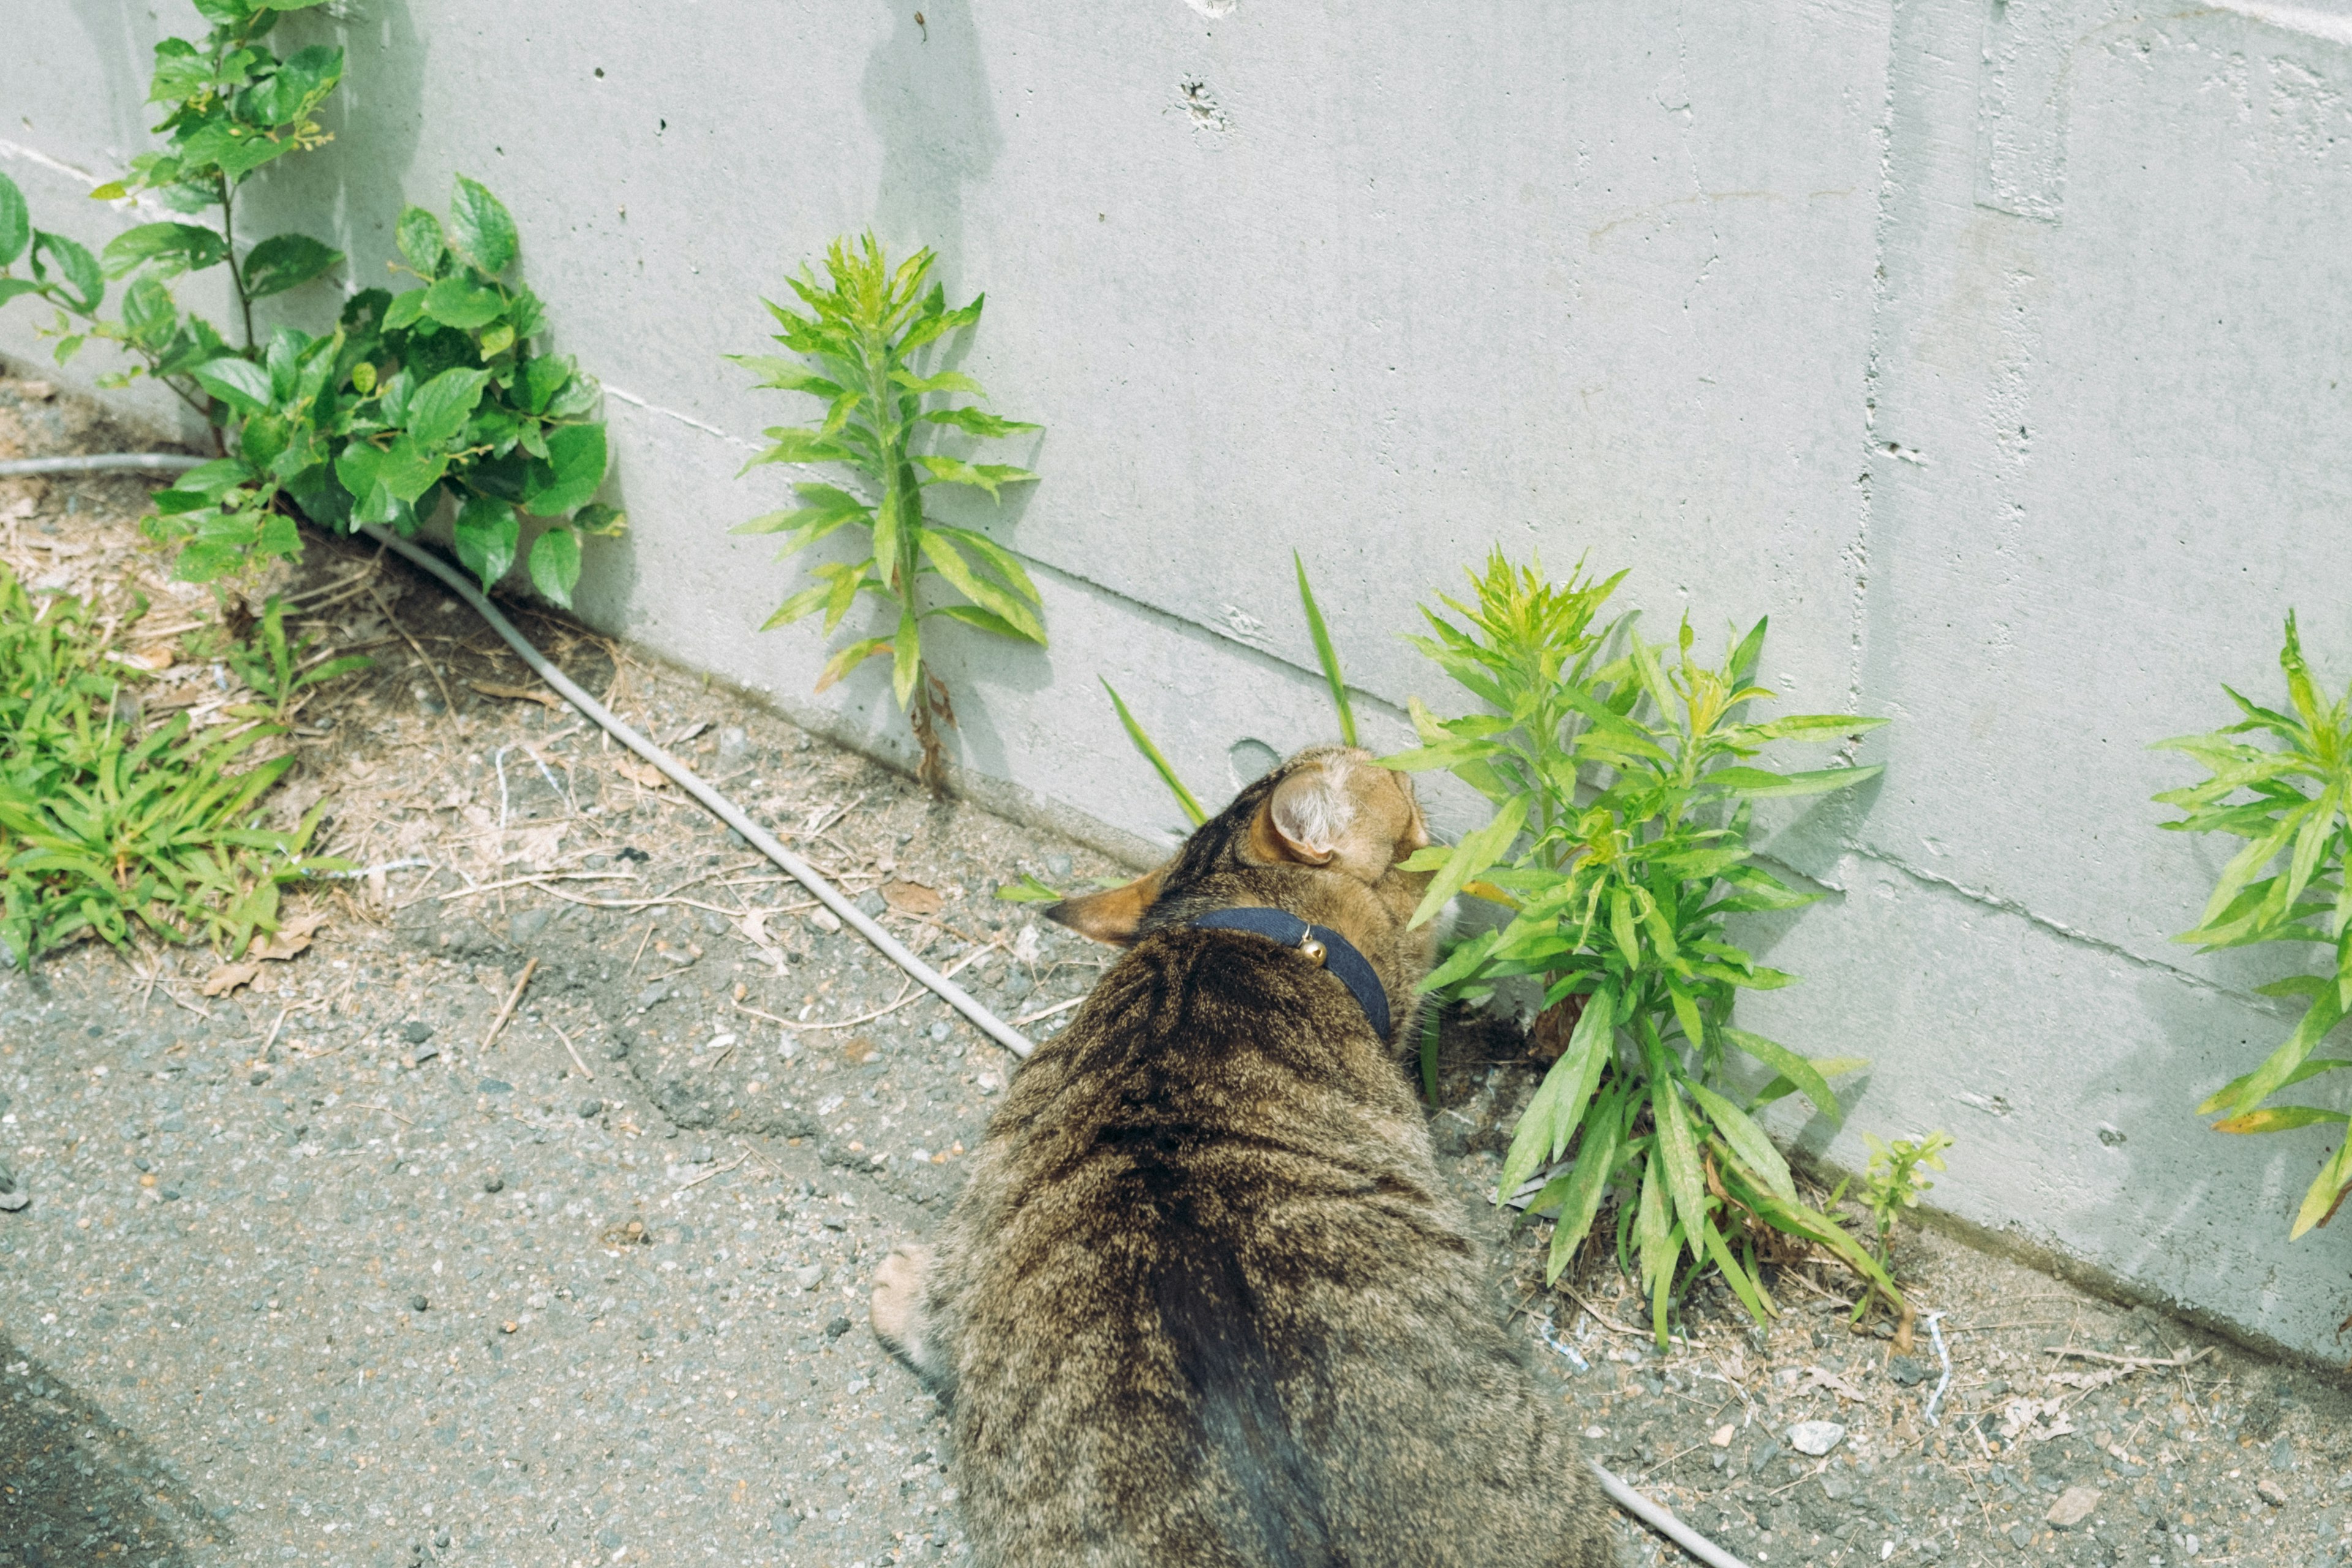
[(102, 830), (431, 391), (2288, 801), (1619, 904), (867, 327), (230, 107), (434, 390)]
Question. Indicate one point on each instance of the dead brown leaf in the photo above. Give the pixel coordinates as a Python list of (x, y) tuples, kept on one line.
[(643, 774), (288, 939), (518, 693), (228, 977), (911, 897), (1821, 1377)]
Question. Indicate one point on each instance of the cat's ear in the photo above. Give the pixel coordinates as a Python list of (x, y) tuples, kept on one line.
[(1111, 915), (1303, 820)]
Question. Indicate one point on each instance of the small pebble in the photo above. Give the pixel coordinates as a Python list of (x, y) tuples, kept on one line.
[(415, 1032), (418, 1304), (810, 1277), (494, 1183), (940, 1032), (1815, 1437), (592, 1107), (257, 1077), (11, 1202), (836, 1328), (871, 904)]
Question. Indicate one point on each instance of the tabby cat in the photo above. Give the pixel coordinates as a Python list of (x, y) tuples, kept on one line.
[(1205, 1300)]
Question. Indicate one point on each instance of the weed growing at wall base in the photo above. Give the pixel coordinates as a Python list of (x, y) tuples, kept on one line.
[(868, 327), (2289, 802), (1619, 905)]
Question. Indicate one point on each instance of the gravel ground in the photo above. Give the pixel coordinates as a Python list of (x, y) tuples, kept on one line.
[(309, 1272)]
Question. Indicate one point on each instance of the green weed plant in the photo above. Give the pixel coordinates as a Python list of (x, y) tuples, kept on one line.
[(2288, 800), (108, 832), (872, 329), (281, 671), (1620, 842)]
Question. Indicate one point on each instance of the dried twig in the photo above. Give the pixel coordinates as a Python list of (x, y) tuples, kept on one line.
[(573, 1050), (1047, 1012), (641, 943), (909, 993), (388, 1110), (714, 1171), (448, 703), (2130, 1363), (537, 880), (507, 1011)]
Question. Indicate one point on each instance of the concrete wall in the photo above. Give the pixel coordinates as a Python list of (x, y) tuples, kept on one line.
[(1997, 350)]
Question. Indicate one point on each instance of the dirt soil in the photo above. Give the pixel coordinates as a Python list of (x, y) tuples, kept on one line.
[(332, 1266)]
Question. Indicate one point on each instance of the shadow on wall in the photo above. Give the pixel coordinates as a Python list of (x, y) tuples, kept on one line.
[(122, 41), (75, 1488), (926, 99), (350, 193)]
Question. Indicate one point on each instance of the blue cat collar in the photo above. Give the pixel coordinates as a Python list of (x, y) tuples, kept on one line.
[(1319, 943)]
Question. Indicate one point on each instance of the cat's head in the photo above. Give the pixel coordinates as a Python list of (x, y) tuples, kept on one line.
[(1320, 836)]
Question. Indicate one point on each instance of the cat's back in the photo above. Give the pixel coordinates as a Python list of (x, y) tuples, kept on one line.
[(1212, 1304)]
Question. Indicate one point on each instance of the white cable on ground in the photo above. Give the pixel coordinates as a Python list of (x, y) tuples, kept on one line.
[(104, 463), (725, 810), (1664, 1522)]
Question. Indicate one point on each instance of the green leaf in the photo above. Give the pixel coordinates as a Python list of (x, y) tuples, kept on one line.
[(1791, 1066), (487, 534), (793, 445), (2326, 1192), (973, 422), (905, 657), (973, 615), (849, 657), (1747, 1140), (439, 408), (983, 476), (1473, 856), (1755, 783), (2324, 1013), (480, 230), (786, 375), (1586, 1184), (555, 563), (943, 381), (1680, 1150), (458, 301), (2279, 1119), (1028, 890), (420, 240), (939, 549), (1159, 764), (84, 285), (1814, 727), (173, 246), (569, 477), (1326, 655), (1558, 1106), (601, 522), (284, 262), (239, 382), (15, 221)]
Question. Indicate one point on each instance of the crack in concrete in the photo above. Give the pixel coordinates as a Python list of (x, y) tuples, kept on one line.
[(1994, 901)]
